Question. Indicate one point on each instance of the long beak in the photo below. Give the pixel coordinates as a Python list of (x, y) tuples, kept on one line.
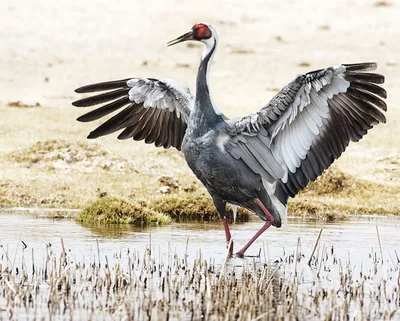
[(187, 36)]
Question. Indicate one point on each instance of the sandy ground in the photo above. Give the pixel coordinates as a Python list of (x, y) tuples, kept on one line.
[(49, 48)]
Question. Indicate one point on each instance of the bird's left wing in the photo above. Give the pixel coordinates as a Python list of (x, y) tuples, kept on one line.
[(155, 111), (308, 124)]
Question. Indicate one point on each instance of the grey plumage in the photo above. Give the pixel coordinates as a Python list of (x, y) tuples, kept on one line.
[(351, 113), (262, 159)]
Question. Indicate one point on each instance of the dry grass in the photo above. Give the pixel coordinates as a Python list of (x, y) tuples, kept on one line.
[(336, 194), (53, 150), (62, 155), (128, 285), (382, 4), (58, 173), (192, 206), (20, 104), (332, 181)]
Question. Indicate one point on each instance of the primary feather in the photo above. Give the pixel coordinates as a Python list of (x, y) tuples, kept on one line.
[(311, 121), (149, 105)]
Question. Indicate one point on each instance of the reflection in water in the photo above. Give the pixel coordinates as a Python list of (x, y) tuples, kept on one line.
[(347, 260), (110, 231), (123, 230)]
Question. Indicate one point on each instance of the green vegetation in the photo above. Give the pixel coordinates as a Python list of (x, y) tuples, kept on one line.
[(108, 210), (160, 211), (193, 206)]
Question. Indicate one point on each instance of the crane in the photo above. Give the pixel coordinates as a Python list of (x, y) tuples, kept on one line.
[(257, 161)]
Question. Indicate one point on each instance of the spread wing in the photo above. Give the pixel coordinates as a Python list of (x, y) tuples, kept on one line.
[(154, 110), (308, 125)]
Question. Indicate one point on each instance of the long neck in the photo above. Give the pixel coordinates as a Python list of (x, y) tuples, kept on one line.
[(205, 114)]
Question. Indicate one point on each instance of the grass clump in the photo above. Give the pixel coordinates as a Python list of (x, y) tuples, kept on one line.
[(107, 210), (57, 149), (21, 104), (61, 155), (331, 181), (193, 206), (335, 195), (159, 211), (317, 210)]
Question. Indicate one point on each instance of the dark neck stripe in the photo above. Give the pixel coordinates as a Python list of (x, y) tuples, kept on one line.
[(204, 117)]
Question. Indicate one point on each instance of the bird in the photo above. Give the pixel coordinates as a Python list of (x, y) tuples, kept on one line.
[(260, 160)]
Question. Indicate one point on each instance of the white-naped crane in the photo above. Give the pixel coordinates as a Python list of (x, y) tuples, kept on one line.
[(257, 161)]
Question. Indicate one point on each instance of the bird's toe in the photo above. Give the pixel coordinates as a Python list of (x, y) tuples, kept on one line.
[(239, 255)]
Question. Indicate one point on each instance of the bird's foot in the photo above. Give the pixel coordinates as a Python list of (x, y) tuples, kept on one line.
[(239, 254)]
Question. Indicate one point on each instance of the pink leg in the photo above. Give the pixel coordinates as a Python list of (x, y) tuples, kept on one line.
[(227, 234), (266, 225)]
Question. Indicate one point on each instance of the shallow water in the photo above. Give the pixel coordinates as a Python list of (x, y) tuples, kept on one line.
[(25, 239), (354, 238)]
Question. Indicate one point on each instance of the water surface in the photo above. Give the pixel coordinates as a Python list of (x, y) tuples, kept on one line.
[(353, 238), (351, 246)]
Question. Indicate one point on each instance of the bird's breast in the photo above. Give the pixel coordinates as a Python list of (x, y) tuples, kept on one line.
[(206, 155)]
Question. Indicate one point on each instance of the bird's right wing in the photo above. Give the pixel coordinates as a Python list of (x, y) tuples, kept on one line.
[(154, 110)]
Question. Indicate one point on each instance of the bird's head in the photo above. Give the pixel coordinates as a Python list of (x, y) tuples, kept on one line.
[(203, 32)]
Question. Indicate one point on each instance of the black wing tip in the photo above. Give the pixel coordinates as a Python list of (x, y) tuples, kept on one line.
[(365, 77), (82, 102), (123, 136), (102, 86), (380, 79), (382, 93), (80, 90), (358, 70), (90, 88), (361, 66), (77, 103), (83, 119), (93, 135)]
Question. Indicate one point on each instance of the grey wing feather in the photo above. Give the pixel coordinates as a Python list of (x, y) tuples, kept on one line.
[(153, 110), (253, 150), (311, 121)]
